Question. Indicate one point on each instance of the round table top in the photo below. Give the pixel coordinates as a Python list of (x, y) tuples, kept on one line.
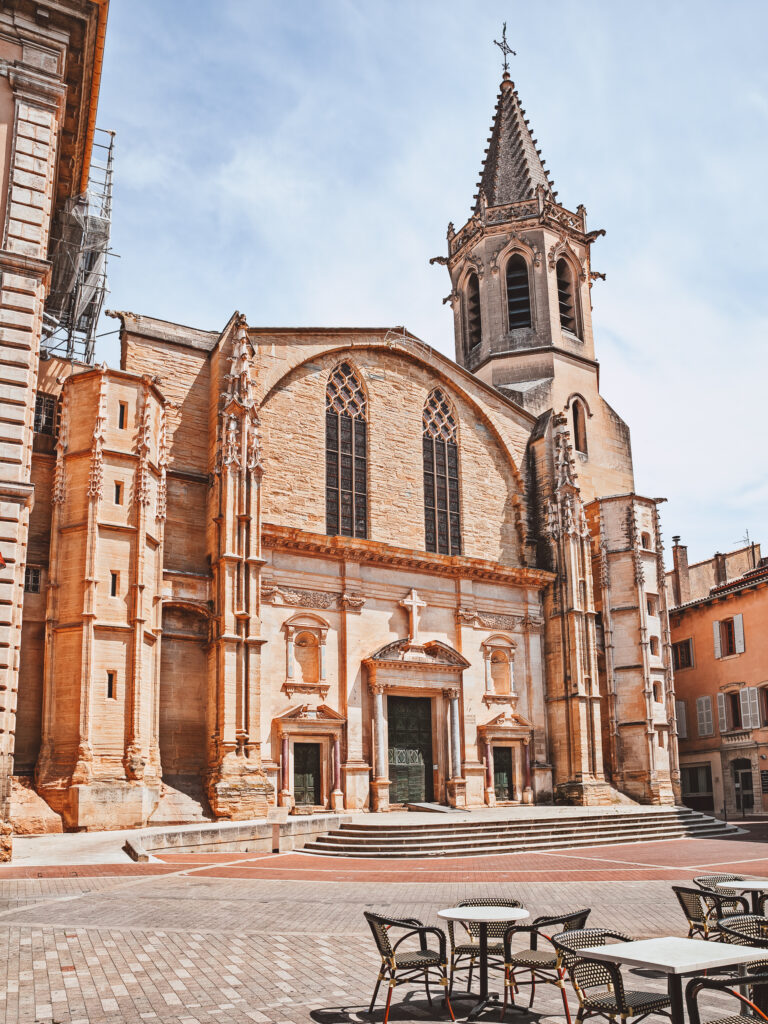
[(489, 915), (744, 885)]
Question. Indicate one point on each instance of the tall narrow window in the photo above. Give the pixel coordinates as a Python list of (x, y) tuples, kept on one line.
[(45, 413), (474, 324), (565, 296), (579, 427), (346, 492), (113, 581), (442, 520), (111, 688), (518, 292), (122, 415)]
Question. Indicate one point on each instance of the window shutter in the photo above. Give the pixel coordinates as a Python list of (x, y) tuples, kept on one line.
[(716, 635), (704, 715), (680, 715), (746, 712), (754, 707), (722, 713), (738, 632)]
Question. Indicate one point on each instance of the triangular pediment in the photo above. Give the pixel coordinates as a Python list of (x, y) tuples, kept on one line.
[(307, 713), (432, 652), (508, 719)]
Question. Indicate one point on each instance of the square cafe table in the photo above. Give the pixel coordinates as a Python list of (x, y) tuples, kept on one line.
[(483, 916), (675, 957), (755, 886)]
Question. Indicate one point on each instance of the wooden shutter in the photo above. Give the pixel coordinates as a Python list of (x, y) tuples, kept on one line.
[(716, 637), (722, 713), (738, 633), (746, 713), (680, 715), (704, 715), (750, 707)]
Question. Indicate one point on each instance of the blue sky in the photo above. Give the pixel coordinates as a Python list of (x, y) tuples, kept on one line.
[(299, 161)]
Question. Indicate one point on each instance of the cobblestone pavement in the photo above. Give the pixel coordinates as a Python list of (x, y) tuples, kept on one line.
[(193, 948)]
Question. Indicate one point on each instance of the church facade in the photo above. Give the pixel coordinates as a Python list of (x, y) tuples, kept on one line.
[(332, 568)]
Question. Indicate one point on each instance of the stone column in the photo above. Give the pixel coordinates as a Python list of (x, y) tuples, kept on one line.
[(456, 786), (490, 791), (488, 679), (337, 797), (527, 790), (284, 796), (380, 784)]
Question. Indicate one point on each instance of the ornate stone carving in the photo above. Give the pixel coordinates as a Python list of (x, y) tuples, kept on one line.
[(296, 598), (495, 620), (239, 442), (59, 473), (143, 490), (468, 616), (563, 248), (352, 602), (96, 472), (163, 459)]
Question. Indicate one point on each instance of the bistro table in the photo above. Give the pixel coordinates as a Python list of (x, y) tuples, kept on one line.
[(755, 886), (674, 957), (483, 916)]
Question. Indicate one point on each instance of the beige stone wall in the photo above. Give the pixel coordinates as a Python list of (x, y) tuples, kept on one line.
[(293, 427)]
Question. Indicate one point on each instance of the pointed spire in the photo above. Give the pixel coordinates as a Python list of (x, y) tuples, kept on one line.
[(513, 169)]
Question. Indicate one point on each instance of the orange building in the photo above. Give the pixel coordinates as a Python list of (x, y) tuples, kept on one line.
[(720, 651)]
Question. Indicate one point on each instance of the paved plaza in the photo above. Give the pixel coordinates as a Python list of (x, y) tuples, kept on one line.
[(281, 938)]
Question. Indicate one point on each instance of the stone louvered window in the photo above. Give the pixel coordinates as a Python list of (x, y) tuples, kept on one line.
[(565, 297), (518, 292), (442, 518), (474, 323), (346, 490)]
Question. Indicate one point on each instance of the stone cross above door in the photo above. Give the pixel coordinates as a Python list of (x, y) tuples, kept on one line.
[(413, 605)]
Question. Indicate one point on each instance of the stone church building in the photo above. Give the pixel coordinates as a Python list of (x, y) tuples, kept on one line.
[(332, 568)]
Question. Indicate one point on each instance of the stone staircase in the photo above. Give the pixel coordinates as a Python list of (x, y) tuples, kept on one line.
[(516, 835)]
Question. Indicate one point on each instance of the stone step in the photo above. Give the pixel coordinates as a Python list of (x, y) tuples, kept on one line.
[(527, 822), (478, 838)]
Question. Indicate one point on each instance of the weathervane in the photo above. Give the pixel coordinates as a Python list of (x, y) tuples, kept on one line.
[(505, 48)]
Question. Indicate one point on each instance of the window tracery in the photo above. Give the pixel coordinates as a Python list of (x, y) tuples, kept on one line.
[(442, 517), (346, 490)]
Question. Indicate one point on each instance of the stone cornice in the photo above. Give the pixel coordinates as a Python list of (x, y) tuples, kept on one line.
[(370, 552)]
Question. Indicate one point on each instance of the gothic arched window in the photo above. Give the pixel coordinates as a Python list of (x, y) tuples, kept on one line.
[(565, 296), (442, 519), (518, 292), (474, 324), (346, 491), (579, 427)]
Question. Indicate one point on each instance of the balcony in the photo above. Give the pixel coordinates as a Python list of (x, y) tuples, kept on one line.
[(737, 738)]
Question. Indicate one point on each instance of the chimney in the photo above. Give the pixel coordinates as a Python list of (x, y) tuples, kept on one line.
[(721, 573), (681, 582)]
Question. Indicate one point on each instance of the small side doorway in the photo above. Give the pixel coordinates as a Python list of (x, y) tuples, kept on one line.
[(502, 773), (742, 780), (306, 774)]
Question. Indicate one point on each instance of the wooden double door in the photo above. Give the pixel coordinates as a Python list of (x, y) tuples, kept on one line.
[(410, 749), (503, 778), (306, 774)]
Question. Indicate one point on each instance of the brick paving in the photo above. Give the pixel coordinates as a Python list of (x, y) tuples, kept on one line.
[(221, 938)]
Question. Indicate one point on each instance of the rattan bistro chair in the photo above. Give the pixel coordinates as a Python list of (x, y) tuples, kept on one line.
[(599, 985), (731, 900), (746, 1008), (703, 908), (746, 930), (408, 965), (464, 954), (544, 964)]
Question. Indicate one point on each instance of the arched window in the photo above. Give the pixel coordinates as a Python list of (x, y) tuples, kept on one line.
[(518, 292), (579, 427), (474, 325), (655, 646), (346, 497), (442, 522), (501, 674), (565, 296)]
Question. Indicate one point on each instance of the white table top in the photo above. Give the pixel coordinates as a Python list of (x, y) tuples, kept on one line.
[(746, 885), (490, 915), (674, 955)]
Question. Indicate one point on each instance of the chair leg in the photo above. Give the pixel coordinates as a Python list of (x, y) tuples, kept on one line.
[(447, 992), (389, 1001), (506, 991), (376, 991), (533, 989), (565, 1003), (471, 969), (426, 986)]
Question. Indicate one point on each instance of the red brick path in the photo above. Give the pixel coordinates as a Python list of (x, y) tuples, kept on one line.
[(667, 860)]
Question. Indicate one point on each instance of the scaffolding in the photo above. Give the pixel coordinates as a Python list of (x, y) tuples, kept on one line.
[(79, 250)]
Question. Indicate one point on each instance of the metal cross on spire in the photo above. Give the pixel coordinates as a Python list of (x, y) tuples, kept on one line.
[(505, 48)]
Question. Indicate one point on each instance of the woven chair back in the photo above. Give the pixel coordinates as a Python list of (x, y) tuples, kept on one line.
[(380, 928), (745, 929), (710, 881), (496, 929), (586, 974), (693, 903)]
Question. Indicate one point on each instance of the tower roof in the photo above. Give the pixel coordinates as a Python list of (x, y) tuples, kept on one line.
[(513, 168)]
